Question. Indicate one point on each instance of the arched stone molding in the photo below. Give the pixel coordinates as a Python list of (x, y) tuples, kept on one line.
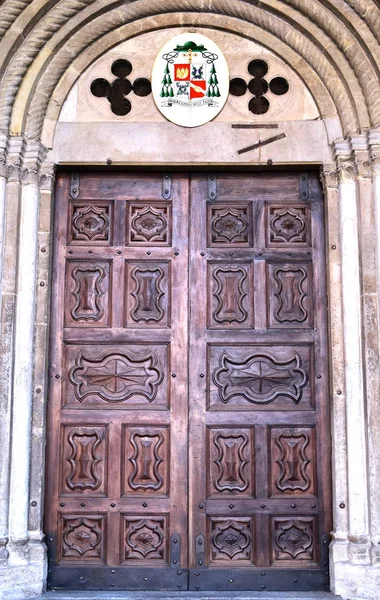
[(43, 59), (43, 42)]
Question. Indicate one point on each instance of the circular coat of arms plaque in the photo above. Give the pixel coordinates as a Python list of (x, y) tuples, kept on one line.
[(190, 80)]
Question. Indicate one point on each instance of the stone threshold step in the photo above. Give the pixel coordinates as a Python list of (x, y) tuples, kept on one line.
[(188, 596)]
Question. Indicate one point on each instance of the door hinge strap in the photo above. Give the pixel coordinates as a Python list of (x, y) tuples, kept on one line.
[(166, 186), (304, 186), (200, 550), (175, 551), (212, 186), (74, 185)]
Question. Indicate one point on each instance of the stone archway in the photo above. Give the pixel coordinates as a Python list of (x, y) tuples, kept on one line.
[(46, 47)]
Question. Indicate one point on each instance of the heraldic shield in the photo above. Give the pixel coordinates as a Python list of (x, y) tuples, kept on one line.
[(190, 91)]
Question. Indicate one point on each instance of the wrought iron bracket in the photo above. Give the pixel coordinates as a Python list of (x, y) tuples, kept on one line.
[(200, 550), (51, 547), (166, 186), (212, 186), (304, 186), (325, 541), (175, 551), (74, 185)]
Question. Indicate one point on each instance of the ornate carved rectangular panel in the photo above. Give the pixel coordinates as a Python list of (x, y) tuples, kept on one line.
[(145, 460), (147, 294), (230, 469), (230, 295), (87, 299), (259, 377), (188, 443), (124, 375)]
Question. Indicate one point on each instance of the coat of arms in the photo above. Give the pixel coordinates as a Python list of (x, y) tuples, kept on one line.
[(193, 84)]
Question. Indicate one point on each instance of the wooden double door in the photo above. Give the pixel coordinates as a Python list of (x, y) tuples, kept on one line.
[(188, 436)]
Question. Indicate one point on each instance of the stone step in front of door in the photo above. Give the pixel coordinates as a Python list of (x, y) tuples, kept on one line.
[(188, 596)]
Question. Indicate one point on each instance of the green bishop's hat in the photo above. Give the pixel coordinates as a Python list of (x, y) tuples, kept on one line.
[(190, 46)]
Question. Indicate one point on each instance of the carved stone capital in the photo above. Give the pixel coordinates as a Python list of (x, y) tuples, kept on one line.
[(375, 159), (30, 173), (14, 159), (347, 170), (363, 164), (13, 168), (329, 176), (47, 176)]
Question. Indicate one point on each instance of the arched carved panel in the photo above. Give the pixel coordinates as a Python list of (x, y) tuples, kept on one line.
[(84, 451), (230, 291), (121, 374), (231, 540), (87, 294), (229, 224), (293, 456), (290, 295), (145, 460), (145, 539), (148, 294), (82, 538), (90, 223), (288, 225), (231, 468), (294, 540), (149, 224)]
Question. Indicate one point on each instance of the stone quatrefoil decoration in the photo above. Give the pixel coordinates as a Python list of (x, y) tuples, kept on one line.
[(117, 90), (258, 86)]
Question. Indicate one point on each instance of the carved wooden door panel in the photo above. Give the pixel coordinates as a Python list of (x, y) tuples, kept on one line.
[(259, 416), (116, 509)]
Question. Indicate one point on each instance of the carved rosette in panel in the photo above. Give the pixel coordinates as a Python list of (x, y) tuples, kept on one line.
[(231, 539), (230, 452), (292, 457), (288, 225), (147, 288), (149, 224), (87, 297), (119, 375), (229, 224), (260, 378), (232, 298), (82, 537), (145, 459), (290, 295), (145, 539), (294, 539), (90, 223), (84, 456)]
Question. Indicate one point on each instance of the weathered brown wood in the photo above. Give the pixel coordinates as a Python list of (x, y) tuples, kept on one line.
[(117, 443), (221, 430), (263, 380)]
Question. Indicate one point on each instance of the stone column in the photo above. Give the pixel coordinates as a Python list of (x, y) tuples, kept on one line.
[(373, 407), (14, 155), (338, 547), (358, 525), (24, 356), (38, 434)]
